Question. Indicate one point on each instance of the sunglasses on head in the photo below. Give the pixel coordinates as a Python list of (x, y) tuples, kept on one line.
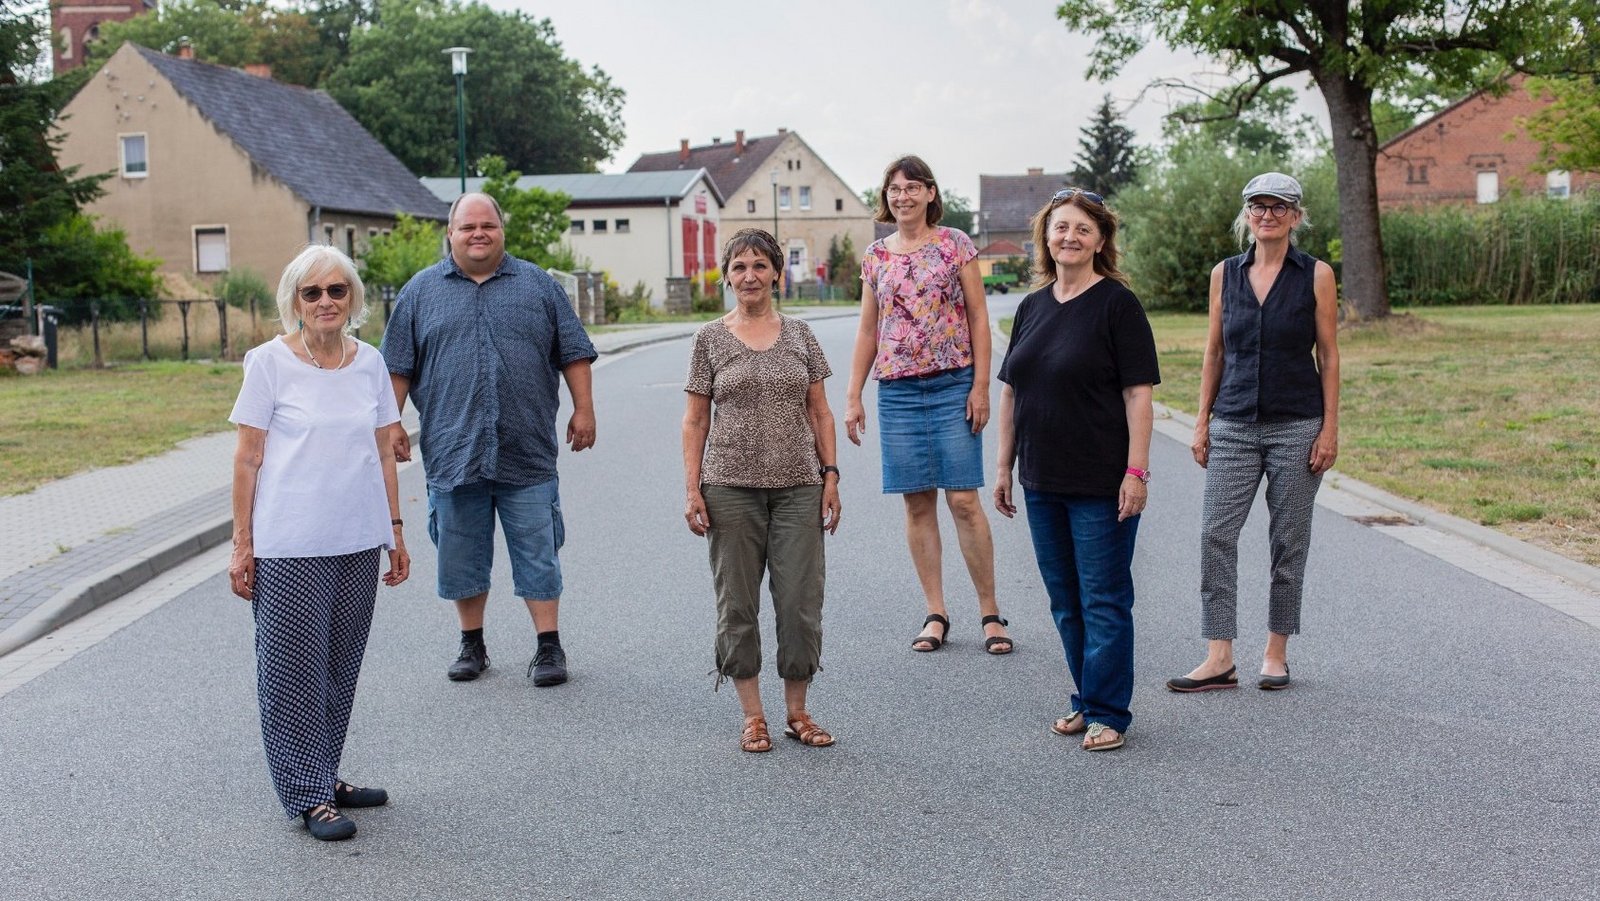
[(313, 293), (1069, 193)]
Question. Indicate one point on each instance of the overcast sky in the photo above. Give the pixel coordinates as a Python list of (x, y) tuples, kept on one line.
[(973, 86)]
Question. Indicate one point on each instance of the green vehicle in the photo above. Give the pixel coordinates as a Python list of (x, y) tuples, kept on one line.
[(1000, 282)]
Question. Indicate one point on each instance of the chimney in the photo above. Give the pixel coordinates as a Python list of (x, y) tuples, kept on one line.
[(683, 150), (716, 140), (1035, 171), (185, 50), (738, 143), (259, 70), (783, 131)]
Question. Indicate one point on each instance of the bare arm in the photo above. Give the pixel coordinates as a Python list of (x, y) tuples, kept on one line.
[(696, 428), (1134, 493), (827, 452), (399, 441), (246, 469), (1210, 372), (982, 344), (580, 384), (1004, 502), (855, 416), (399, 558), (1326, 448)]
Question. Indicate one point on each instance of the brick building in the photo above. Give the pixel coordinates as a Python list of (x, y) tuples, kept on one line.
[(1473, 151), (76, 24)]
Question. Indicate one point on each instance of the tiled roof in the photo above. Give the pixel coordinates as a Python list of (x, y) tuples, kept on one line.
[(302, 138), (588, 188), (1001, 249), (727, 166), (1008, 202)]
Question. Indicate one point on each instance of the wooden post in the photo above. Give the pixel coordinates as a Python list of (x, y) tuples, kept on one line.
[(94, 329), (144, 328), (183, 307), (222, 320)]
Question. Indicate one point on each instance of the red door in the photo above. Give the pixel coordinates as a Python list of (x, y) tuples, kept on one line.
[(691, 247), (709, 231)]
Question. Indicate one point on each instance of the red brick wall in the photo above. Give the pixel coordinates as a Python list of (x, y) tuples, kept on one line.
[(72, 20), (1439, 160)]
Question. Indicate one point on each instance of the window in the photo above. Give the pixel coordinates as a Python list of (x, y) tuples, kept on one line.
[(598, 227), (794, 256), (1488, 186), (372, 232), (66, 43), (623, 226), (350, 241), (327, 235), (577, 226), (749, 206), (211, 248), (783, 198), (1558, 184), (838, 205), (1416, 173), (805, 197), (135, 160)]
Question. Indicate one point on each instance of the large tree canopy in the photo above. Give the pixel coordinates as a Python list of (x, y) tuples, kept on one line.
[(526, 101), (232, 33), (1352, 51), (1568, 130)]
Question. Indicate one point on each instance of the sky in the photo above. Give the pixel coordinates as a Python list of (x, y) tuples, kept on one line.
[(972, 86)]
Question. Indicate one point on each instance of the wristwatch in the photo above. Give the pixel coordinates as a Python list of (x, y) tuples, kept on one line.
[(827, 469), (1142, 475)]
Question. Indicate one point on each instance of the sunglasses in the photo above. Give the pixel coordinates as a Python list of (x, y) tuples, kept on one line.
[(313, 293), (1069, 193)]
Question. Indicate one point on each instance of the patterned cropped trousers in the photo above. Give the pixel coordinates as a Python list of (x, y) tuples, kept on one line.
[(1241, 453), (312, 617)]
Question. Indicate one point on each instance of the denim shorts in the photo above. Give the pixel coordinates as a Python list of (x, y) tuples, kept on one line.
[(927, 441), (461, 524)]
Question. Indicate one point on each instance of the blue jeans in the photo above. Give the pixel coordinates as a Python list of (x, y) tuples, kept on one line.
[(461, 524), (1086, 560)]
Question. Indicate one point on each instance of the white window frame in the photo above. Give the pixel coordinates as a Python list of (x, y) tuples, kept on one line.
[(227, 250), (579, 227), (622, 227), (1488, 186), (1558, 184), (750, 206), (805, 197), (785, 197), (122, 154), (598, 227)]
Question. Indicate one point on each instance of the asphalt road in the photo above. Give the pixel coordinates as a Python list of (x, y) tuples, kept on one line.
[(1439, 740)]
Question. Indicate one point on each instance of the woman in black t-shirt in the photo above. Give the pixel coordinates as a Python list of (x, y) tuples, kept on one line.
[(1075, 414)]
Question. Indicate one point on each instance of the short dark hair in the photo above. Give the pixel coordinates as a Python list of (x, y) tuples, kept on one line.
[(757, 239), (914, 169)]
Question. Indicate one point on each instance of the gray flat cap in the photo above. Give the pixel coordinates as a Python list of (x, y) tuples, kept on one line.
[(1274, 184)]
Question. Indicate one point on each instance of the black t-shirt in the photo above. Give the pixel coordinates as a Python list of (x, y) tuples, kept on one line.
[(1067, 365)]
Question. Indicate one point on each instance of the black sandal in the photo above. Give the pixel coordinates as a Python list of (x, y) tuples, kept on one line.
[(990, 642), (933, 642)]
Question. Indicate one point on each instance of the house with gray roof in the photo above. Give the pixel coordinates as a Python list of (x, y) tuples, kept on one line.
[(214, 169), (1006, 204), (637, 227)]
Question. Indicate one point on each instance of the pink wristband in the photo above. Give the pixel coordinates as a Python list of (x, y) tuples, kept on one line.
[(1142, 475)]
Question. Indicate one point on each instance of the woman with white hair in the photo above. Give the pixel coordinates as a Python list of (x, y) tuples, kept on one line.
[(1269, 406), (315, 504)]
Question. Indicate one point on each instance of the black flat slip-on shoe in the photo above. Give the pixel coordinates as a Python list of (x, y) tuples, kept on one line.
[(327, 824), (347, 795), (1274, 683), (1229, 679)]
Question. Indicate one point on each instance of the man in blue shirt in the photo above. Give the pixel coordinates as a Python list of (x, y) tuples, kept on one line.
[(480, 342)]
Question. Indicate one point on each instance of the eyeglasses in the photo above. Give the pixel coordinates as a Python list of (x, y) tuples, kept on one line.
[(313, 293), (1069, 193), (1278, 210), (910, 190)]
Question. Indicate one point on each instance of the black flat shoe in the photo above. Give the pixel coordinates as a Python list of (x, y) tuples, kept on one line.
[(927, 643), (471, 663), (548, 666), (1274, 683), (347, 795), (1229, 679), (327, 824), (993, 640)]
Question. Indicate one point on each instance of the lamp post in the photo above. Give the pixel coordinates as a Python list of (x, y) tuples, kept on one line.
[(774, 204), (458, 67)]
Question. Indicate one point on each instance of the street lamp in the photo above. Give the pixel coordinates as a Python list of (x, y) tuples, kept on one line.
[(774, 204), (458, 67)]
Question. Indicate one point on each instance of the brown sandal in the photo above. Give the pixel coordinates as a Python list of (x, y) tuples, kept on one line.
[(754, 738), (804, 730), (1071, 724)]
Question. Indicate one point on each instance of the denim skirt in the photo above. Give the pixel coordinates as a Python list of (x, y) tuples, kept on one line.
[(927, 441)]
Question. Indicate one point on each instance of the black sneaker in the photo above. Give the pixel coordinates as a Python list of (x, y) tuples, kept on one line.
[(549, 666), (327, 824), (470, 665)]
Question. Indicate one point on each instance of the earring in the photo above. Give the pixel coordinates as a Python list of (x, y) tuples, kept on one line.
[(300, 324)]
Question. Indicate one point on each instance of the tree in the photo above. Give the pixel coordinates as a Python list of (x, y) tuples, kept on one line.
[(526, 100), (229, 33), (957, 211), (1568, 130), (410, 247), (1352, 52), (1267, 125), (82, 261), (844, 266), (536, 219), (1106, 155)]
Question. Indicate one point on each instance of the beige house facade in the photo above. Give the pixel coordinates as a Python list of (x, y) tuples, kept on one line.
[(213, 169)]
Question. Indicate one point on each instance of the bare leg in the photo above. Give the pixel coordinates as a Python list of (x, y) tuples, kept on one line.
[(794, 696), (1276, 659), (977, 548), (1219, 659), (470, 611), (543, 612), (922, 534), (749, 692)]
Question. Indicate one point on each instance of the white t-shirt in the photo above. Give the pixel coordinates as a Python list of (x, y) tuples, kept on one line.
[(320, 489)]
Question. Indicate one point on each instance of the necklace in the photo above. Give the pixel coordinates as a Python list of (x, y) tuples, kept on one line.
[(314, 356)]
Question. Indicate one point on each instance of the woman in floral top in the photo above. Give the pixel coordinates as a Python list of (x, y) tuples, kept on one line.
[(925, 337)]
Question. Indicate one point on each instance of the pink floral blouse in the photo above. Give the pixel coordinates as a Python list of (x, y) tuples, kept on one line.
[(922, 316)]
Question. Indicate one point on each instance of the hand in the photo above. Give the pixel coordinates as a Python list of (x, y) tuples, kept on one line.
[(242, 570), (399, 565), (580, 430), (1131, 497), (1201, 445), (830, 505), (1324, 451), (400, 443), (855, 421), (978, 408), (1003, 501), (695, 513)]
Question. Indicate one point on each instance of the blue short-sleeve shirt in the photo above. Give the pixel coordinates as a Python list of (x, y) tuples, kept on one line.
[(485, 365)]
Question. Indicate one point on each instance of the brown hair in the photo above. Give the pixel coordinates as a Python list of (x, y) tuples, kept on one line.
[(914, 169), (756, 239), (1105, 219)]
